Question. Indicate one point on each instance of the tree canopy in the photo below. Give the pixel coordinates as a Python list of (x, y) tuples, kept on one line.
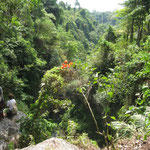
[(82, 75)]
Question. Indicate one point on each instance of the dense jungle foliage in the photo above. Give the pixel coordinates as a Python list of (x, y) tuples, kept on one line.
[(81, 76)]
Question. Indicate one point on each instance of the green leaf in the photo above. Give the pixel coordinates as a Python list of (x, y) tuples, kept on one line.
[(113, 117), (104, 78), (110, 94), (111, 69), (105, 117), (145, 87), (107, 109), (108, 124), (131, 108), (128, 112), (109, 137), (140, 102), (95, 79), (145, 137), (80, 90), (94, 82)]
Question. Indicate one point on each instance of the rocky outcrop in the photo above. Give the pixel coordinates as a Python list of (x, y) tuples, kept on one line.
[(3, 145), (52, 144), (9, 130)]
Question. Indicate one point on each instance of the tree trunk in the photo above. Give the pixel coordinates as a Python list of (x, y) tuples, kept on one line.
[(148, 28), (140, 31), (127, 34), (132, 31)]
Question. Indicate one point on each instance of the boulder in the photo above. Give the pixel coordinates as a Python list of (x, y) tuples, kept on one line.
[(9, 130), (52, 144)]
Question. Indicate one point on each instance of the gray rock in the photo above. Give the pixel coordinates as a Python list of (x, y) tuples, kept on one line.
[(52, 144), (9, 130), (17, 117), (3, 145)]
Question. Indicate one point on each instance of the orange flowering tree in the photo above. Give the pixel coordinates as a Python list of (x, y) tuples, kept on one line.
[(54, 87), (66, 64)]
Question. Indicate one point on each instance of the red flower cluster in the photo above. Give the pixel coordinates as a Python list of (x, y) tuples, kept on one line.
[(66, 65)]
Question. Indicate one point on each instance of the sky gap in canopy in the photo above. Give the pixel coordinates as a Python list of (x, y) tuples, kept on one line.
[(97, 5)]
